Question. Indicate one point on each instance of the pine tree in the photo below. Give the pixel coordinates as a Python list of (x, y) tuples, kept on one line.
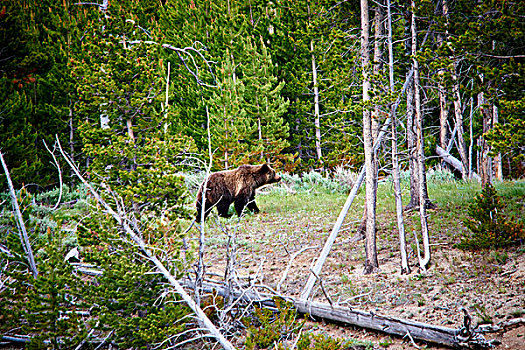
[(127, 136), (232, 131), (264, 104)]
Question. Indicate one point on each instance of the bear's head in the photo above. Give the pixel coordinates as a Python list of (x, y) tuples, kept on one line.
[(269, 175)]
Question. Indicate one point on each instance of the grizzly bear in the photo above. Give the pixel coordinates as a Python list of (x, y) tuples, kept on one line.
[(234, 186)]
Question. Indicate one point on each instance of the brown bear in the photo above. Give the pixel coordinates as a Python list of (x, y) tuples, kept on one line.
[(234, 186)]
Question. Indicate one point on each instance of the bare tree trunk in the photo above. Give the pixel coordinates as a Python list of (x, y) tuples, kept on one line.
[(471, 133), (24, 238), (405, 269), (371, 262), (443, 101), (411, 137), (317, 121), (412, 141), (485, 161), (378, 30), (226, 150), (497, 160), (423, 262), (459, 123)]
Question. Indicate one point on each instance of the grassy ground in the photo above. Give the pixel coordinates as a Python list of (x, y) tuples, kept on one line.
[(489, 284)]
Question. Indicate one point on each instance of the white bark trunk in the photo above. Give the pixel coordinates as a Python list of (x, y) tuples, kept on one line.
[(497, 160), (317, 120), (405, 269), (459, 123), (24, 238), (371, 262), (425, 260)]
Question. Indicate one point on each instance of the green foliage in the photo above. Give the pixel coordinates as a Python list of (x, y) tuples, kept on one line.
[(126, 297), (61, 306), (268, 328), (126, 133), (324, 342), (44, 307), (488, 223)]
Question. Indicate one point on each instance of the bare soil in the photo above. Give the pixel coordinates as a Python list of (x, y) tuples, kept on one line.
[(489, 284)]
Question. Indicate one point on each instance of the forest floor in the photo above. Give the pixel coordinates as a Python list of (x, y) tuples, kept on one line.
[(490, 284)]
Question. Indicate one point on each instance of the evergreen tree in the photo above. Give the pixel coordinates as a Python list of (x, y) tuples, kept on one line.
[(232, 131), (36, 86), (264, 103), (127, 136)]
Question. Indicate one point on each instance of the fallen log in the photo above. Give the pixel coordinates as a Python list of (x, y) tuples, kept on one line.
[(456, 163), (451, 337)]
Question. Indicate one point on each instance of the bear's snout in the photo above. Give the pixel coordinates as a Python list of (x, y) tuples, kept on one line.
[(276, 178)]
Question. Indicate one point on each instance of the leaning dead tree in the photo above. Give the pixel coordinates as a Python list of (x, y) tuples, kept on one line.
[(24, 238)]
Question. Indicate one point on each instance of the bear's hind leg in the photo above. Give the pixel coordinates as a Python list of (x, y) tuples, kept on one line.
[(222, 208), (252, 205)]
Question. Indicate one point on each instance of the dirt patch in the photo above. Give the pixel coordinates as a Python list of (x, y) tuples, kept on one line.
[(490, 285)]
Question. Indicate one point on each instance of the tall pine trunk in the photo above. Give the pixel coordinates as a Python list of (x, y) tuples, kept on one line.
[(405, 269), (459, 123), (371, 262), (317, 121), (420, 145), (443, 100)]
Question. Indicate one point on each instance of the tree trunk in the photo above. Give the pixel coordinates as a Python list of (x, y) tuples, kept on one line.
[(412, 142), (317, 121), (485, 161), (459, 123), (443, 101), (371, 262), (405, 269), (378, 29), (420, 145), (497, 160), (24, 238)]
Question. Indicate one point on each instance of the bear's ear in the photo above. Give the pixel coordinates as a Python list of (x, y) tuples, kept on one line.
[(264, 168)]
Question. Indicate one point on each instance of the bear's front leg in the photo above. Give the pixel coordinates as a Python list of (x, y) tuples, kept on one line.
[(240, 203)]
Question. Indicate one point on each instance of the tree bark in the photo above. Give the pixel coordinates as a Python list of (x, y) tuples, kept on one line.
[(453, 161), (416, 181), (405, 269), (371, 262), (459, 123), (485, 162), (317, 120), (497, 160), (420, 145), (443, 101)]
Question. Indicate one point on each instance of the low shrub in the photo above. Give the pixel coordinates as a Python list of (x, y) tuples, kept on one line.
[(489, 225)]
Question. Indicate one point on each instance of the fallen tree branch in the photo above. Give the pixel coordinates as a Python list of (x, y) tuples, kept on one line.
[(450, 337), (456, 163), (489, 328)]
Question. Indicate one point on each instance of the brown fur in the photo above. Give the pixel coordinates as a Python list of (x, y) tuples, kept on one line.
[(234, 186)]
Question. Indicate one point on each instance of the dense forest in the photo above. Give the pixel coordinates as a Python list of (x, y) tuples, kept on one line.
[(271, 81), (117, 110)]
